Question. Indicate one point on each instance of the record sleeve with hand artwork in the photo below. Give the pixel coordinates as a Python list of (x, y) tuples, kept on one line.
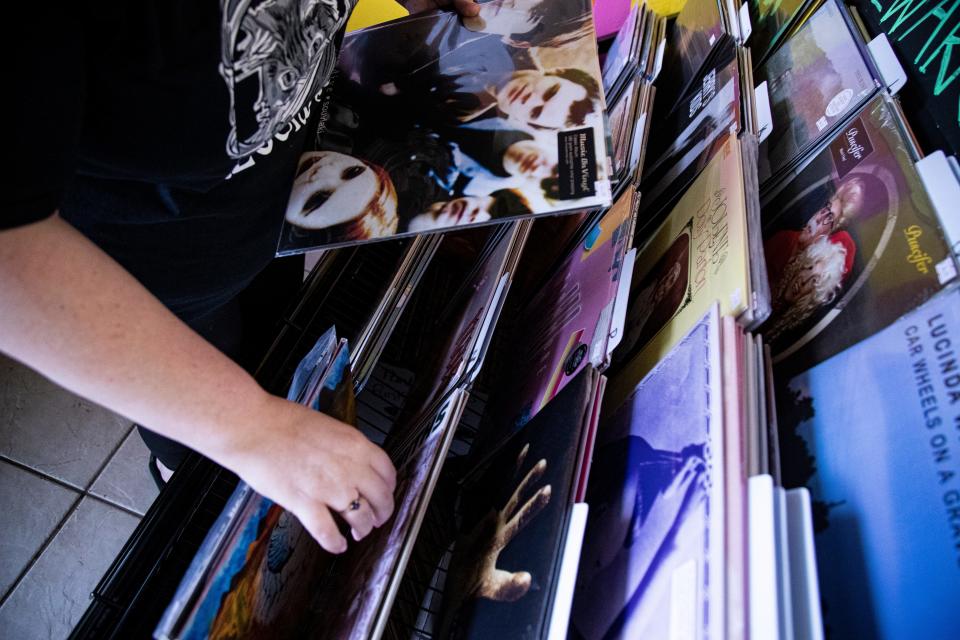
[(514, 511), (434, 121), (653, 562), (816, 79), (852, 242)]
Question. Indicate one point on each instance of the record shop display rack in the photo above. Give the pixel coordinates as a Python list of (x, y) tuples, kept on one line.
[(343, 290), (395, 325)]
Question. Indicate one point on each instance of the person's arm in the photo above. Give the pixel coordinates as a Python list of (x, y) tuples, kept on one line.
[(72, 313)]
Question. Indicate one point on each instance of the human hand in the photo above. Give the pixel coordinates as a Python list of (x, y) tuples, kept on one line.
[(466, 8), (314, 465), (494, 533)]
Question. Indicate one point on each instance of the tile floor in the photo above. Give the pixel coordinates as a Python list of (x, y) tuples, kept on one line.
[(73, 485)]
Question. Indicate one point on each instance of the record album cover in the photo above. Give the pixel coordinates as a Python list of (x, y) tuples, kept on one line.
[(851, 242), (770, 20), (653, 556), (815, 80), (267, 571), (566, 326), (433, 121), (872, 433), (683, 144), (696, 257), (698, 27), (514, 513), (923, 35)]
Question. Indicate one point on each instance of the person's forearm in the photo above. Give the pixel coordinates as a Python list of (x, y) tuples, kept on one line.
[(71, 312)]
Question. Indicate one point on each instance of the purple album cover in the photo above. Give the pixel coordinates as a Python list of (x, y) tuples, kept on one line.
[(816, 79), (652, 564), (566, 326), (851, 242)]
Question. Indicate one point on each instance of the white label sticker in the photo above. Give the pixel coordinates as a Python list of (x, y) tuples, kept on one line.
[(838, 104), (946, 270), (822, 123), (713, 39)]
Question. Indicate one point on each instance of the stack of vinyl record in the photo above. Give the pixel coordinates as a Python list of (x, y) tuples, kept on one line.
[(632, 63), (690, 412)]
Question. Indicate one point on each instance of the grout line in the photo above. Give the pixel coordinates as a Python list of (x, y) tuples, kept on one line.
[(40, 474), (109, 503), (42, 549), (81, 494)]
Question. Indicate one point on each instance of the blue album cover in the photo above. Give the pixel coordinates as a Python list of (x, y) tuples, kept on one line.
[(654, 539), (873, 432)]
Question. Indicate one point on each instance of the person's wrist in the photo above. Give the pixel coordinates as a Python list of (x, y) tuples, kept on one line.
[(246, 432)]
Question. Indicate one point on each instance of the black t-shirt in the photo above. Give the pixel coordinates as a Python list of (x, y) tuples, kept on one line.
[(168, 132)]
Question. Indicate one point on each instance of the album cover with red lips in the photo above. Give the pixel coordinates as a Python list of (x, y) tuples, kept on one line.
[(434, 121)]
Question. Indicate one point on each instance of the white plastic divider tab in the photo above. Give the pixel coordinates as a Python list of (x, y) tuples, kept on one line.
[(764, 114), (893, 75), (746, 27)]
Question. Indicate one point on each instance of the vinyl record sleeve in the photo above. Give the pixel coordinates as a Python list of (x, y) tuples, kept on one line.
[(871, 432), (771, 19), (816, 79), (653, 558), (696, 257), (514, 511), (565, 327), (269, 568), (482, 127), (691, 135), (851, 241), (622, 54), (698, 27), (356, 606), (921, 35)]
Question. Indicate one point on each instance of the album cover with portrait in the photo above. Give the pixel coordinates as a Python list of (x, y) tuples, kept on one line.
[(512, 518), (684, 141), (257, 573), (815, 80), (871, 432), (655, 532), (700, 254), (433, 122), (852, 242)]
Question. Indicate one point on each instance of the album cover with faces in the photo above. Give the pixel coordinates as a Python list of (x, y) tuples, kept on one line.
[(852, 242), (434, 121)]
